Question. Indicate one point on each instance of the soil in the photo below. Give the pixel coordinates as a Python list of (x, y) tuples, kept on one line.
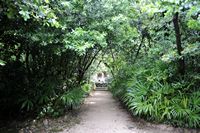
[(44, 125)]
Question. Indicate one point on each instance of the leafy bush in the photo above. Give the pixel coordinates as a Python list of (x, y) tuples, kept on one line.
[(67, 101), (87, 88), (147, 93), (41, 52), (72, 98)]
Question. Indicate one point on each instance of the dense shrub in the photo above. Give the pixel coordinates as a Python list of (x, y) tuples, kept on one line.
[(67, 101), (148, 92), (44, 56)]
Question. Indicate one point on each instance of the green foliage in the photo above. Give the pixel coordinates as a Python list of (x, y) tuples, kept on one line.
[(80, 40), (192, 22), (87, 88), (72, 98), (145, 76), (26, 103), (146, 92), (47, 49), (67, 101), (2, 63)]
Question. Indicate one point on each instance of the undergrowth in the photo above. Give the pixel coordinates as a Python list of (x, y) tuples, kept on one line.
[(150, 92)]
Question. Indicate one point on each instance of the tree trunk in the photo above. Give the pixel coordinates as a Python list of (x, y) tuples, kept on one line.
[(181, 62), (138, 50)]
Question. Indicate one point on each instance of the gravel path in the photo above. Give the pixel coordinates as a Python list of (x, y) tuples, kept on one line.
[(103, 114)]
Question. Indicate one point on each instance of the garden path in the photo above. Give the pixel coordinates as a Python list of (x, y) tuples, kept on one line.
[(101, 113)]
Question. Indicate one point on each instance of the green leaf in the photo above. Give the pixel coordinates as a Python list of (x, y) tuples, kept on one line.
[(194, 24), (2, 63), (25, 14)]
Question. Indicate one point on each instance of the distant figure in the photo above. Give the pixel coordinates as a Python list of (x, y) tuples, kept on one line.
[(105, 74), (101, 77)]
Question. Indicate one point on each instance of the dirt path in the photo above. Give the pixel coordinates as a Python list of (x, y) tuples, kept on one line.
[(103, 114)]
